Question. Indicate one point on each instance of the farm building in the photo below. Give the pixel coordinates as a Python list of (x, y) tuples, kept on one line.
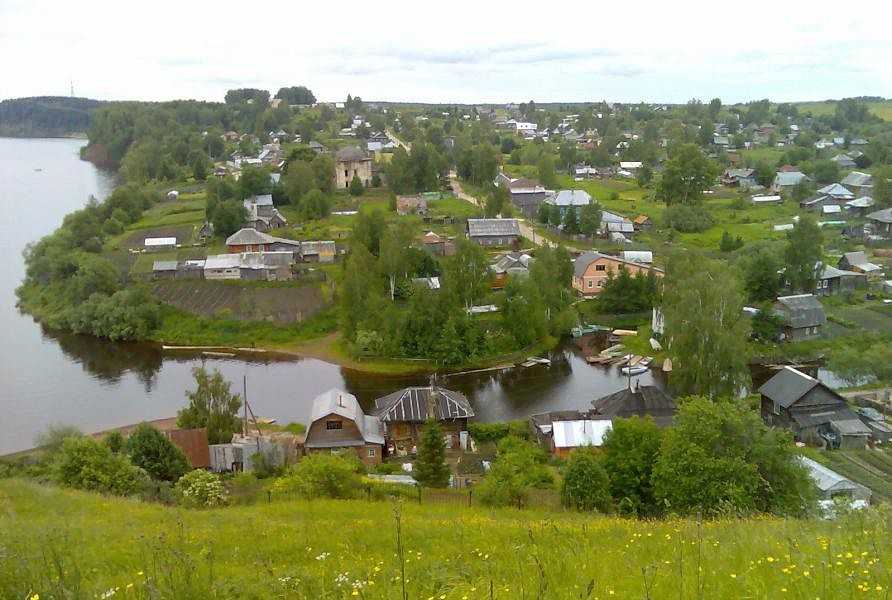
[(858, 262), (318, 251), (831, 484), (438, 245), (222, 266), (513, 264), (564, 431), (526, 194), (338, 425), (815, 413), (591, 270), (405, 411), (881, 222), (164, 269), (265, 266), (833, 281), (493, 232), (802, 316), (250, 240)]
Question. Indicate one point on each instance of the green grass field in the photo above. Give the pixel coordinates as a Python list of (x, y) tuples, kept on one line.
[(67, 544), (881, 109)]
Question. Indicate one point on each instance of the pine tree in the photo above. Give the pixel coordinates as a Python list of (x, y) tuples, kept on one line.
[(430, 467)]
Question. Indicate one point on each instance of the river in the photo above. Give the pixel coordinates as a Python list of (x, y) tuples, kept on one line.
[(49, 378)]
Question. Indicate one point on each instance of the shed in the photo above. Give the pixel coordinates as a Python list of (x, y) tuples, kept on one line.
[(802, 315), (493, 232), (160, 243), (164, 269)]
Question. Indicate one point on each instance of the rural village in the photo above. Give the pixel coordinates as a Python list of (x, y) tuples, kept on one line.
[(728, 263)]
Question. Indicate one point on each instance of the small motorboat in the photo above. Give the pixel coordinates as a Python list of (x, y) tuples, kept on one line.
[(634, 370)]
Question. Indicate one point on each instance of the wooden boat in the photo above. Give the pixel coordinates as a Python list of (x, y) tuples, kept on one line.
[(667, 365), (624, 332), (535, 360), (581, 330), (633, 370), (598, 360)]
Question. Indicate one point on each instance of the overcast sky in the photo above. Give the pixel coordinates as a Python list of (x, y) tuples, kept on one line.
[(453, 51)]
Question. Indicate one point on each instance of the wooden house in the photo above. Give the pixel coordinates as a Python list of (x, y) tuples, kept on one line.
[(802, 316), (405, 412), (815, 413), (339, 425)]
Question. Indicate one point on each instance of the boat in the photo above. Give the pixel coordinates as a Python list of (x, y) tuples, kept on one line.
[(624, 332), (634, 370), (581, 330), (598, 360)]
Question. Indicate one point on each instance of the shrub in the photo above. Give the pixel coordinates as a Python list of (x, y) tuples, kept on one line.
[(494, 432), (356, 188), (51, 439), (296, 428), (201, 489), (150, 449), (631, 449), (322, 476), (267, 463), (586, 486), (114, 441), (388, 468), (86, 464), (688, 219), (430, 467), (518, 467)]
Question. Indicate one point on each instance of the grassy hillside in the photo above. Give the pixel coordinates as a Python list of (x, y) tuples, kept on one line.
[(47, 116), (59, 543), (881, 109)]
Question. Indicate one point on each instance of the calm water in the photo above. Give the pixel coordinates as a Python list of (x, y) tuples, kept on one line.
[(47, 378)]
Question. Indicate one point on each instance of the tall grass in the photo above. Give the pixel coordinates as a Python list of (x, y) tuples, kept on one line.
[(67, 544)]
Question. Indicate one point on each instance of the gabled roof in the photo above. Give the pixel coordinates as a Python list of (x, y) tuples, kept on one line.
[(857, 178), (646, 400), (418, 404), (338, 402), (484, 227), (785, 178), (836, 190), (831, 272), (787, 386), (248, 236), (883, 216), (261, 200), (570, 198), (802, 310), (862, 202), (584, 260), (512, 260), (826, 480)]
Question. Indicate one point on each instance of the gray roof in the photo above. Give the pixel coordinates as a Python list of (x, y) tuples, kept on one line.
[(857, 178), (485, 227), (351, 154), (856, 258), (341, 403), (417, 404), (801, 310), (164, 265), (646, 400), (261, 200), (843, 160), (831, 272), (570, 198), (883, 216), (826, 480), (862, 202), (788, 386), (836, 190), (785, 178), (518, 261), (248, 235)]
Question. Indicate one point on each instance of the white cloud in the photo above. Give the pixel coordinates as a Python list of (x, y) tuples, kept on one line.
[(458, 51)]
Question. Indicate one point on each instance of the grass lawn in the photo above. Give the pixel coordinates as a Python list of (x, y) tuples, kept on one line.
[(56, 541), (762, 154)]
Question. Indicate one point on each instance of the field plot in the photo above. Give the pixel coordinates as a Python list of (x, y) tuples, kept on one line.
[(872, 468), (282, 303), (871, 317)]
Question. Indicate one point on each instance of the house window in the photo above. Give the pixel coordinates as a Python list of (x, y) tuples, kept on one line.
[(591, 284), (600, 267), (600, 283), (371, 453), (334, 425)]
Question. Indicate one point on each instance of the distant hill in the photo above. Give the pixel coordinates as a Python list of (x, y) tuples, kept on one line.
[(46, 116)]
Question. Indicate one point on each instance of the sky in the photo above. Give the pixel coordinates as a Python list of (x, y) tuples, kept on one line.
[(457, 51)]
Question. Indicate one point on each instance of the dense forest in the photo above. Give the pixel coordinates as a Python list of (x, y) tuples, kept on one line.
[(46, 116)]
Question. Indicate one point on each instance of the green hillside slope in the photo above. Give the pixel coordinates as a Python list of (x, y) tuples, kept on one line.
[(65, 544), (46, 116)]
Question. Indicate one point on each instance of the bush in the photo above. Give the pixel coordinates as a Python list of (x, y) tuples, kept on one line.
[(494, 432), (201, 489), (86, 464), (322, 476), (386, 468), (586, 486), (114, 441), (631, 449), (688, 219), (356, 188), (267, 463), (518, 467), (150, 450)]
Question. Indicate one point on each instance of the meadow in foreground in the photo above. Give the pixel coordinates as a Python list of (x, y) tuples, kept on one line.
[(58, 544)]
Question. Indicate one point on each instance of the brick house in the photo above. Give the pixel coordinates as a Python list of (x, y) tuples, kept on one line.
[(352, 161), (339, 426), (591, 270)]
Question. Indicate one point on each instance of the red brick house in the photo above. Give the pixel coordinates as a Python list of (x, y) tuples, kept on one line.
[(591, 270), (339, 426)]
